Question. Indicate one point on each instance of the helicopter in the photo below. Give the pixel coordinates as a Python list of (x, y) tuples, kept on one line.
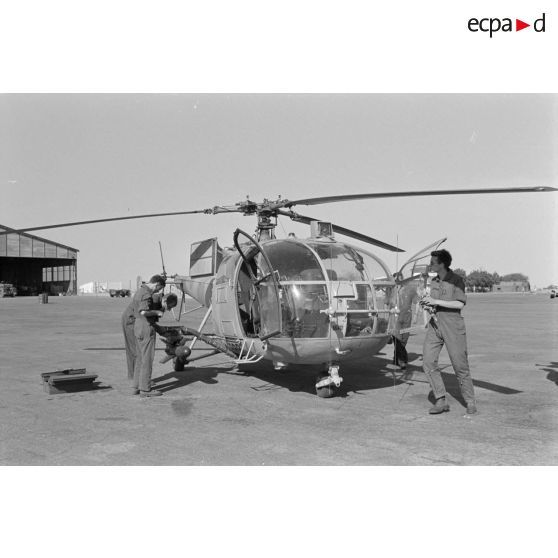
[(294, 302)]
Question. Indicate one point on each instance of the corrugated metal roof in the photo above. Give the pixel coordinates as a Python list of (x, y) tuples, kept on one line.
[(5, 228)]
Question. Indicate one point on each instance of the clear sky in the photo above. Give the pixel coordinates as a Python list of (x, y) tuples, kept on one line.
[(70, 157)]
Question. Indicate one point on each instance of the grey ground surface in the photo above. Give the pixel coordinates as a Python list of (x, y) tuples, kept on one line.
[(213, 414)]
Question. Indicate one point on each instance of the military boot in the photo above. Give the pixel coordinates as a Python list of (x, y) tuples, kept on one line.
[(471, 409), (439, 407), (151, 393)]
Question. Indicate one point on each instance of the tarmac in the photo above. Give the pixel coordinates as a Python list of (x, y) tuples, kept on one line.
[(214, 414)]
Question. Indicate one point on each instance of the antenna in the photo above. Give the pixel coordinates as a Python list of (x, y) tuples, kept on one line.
[(162, 261), (397, 253)]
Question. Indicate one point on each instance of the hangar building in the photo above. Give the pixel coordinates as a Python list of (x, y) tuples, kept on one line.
[(512, 287), (35, 265)]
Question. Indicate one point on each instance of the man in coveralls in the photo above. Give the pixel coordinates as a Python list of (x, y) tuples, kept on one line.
[(128, 321), (446, 326), (144, 315)]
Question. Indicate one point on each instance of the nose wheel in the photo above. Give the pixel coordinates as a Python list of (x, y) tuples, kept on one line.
[(179, 363), (182, 353), (328, 382)]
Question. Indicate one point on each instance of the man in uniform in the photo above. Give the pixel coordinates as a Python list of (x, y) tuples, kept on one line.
[(446, 327), (144, 315), (129, 319)]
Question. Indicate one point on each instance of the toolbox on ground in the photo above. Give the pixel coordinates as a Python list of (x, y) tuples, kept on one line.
[(69, 380)]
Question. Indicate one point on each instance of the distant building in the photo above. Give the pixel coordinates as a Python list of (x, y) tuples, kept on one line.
[(99, 287), (87, 288), (36, 265), (512, 287)]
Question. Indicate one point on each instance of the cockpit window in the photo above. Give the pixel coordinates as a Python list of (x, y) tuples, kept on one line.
[(293, 261), (342, 262), (375, 268)]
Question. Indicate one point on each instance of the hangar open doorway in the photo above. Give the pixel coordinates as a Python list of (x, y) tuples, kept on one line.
[(36, 265)]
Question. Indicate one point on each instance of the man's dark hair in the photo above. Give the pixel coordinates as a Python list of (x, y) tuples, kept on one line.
[(158, 279), (443, 256)]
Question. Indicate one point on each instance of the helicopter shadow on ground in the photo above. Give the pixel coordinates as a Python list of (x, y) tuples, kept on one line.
[(174, 380), (552, 369), (357, 376)]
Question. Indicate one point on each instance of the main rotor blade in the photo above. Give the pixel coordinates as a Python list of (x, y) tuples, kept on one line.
[(352, 197), (75, 223), (342, 230)]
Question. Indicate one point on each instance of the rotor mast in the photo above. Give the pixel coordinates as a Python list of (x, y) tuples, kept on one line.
[(266, 226), (266, 212)]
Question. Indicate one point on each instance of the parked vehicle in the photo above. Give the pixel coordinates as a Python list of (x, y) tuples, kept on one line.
[(7, 289), (120, 292)]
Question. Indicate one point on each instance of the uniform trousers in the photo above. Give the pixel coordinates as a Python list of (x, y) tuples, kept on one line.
[(400, 355), (448, 330), (129, 343), (145, 347)]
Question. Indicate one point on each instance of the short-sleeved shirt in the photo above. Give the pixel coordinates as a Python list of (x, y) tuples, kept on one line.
[(451, 288)]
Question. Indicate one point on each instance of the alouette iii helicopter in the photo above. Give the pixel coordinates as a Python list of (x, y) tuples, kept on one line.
[(292, 301)]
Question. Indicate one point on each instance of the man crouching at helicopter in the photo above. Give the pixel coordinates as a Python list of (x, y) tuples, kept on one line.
[(446, 327), (144, 315), (128, 321)]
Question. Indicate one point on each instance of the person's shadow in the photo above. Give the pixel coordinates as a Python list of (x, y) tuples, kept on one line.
[(452, 386), (552, 369)]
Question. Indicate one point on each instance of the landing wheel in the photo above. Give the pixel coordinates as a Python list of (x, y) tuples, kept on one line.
[(179, 364), (325, 391), (181, 358)]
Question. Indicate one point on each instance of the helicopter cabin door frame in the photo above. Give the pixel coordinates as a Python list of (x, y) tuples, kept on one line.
[(258, 290), (416, 264)]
